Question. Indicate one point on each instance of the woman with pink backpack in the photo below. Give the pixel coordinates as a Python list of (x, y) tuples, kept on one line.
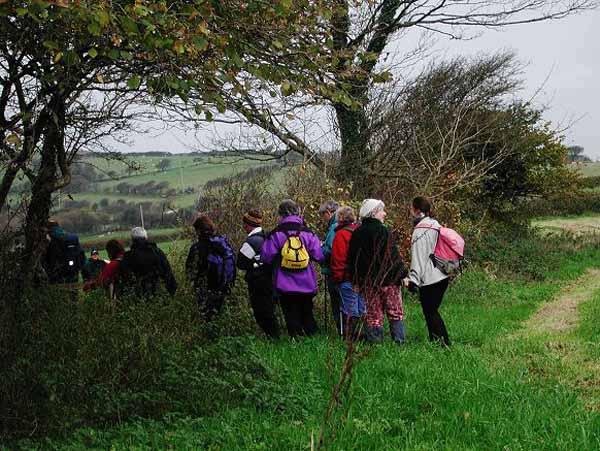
[(432, 257)]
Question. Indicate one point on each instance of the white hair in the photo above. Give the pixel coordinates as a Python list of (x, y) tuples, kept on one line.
[(139, 233)]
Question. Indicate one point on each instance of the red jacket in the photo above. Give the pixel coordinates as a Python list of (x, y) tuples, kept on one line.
[(339, 252), (109, 274)]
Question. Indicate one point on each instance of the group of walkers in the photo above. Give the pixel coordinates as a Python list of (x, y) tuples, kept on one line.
[(359, 260)]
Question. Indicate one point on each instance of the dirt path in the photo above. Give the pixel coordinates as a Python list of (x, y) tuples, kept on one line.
[(562, 315), (558, 353)]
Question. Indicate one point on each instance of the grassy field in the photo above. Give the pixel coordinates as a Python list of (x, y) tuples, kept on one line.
[(187, 171), (496, 389), (589, 169)]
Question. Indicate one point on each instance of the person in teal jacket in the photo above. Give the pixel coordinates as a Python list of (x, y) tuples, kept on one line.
[(327, 212)]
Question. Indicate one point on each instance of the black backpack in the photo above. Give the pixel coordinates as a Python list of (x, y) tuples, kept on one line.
[(72, 259)]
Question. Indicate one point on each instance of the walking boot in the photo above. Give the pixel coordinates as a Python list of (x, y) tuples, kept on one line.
[(397, 330), (375, 334)]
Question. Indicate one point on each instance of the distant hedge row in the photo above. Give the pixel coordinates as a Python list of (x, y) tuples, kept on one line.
[(566, 204)]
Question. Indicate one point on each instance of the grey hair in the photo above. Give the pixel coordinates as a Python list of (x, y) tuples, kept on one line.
[(345, 214), (330, 206), (139, 233), (288, 207)]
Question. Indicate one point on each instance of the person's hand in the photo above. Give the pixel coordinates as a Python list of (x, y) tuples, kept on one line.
[(355, 288), (406, 282)]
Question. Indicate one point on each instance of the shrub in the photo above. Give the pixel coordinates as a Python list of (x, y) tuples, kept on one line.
[(95, 362)]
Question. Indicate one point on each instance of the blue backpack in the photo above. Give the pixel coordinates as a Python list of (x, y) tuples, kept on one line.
[(221, 263)]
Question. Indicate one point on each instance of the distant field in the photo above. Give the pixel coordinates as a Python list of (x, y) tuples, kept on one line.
[(589, 169), (185, 171), (166, 246), (125, 235), (575, 224)]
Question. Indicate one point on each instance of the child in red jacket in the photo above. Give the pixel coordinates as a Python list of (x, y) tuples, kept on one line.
[(353, 304)]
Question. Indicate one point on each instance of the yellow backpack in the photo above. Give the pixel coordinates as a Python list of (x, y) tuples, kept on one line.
[(294, 256)]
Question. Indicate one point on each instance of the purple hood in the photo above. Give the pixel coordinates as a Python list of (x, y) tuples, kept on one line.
[(304, 281)]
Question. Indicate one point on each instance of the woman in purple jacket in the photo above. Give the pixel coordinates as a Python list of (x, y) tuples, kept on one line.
[(296, 288)]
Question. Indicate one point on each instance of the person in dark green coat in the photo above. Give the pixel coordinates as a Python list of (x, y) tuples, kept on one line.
[(93, 266)]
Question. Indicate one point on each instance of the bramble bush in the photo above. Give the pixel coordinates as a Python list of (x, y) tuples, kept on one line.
[(98, 362)]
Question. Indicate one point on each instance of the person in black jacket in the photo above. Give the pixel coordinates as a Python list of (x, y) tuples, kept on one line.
[(376, 270), (144, 265), (258, 275)]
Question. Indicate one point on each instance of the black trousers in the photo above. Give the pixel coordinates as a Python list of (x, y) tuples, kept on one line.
[(431, 298), (261, 301), (298, 314)]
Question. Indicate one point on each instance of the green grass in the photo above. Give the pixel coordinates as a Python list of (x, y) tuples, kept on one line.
[(483, 394), (589, 330)]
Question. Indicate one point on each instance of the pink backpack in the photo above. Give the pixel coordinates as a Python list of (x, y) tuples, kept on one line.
[(449, 249)]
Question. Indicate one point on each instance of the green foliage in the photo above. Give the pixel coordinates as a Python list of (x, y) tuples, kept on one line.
[(534, 166), (69, 365)]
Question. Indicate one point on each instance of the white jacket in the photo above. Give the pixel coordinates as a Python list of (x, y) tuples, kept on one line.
[(422, 271)]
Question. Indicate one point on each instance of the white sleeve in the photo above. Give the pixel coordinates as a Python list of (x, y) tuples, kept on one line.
[(418, 256)]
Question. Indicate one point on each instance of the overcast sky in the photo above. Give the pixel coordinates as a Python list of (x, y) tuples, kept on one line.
[(562, 58)]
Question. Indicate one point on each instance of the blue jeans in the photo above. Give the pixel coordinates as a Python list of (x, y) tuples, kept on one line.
[(353, 304)]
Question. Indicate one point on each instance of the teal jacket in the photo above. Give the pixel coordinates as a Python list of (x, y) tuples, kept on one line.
[(328, 246)]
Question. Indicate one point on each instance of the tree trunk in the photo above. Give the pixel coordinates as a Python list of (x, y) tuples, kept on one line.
[(44, 185), (354, 162), (353, 123)]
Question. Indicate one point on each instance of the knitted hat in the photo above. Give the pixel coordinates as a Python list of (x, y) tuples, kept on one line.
[(253, 218), (139, 233), (370, 207)]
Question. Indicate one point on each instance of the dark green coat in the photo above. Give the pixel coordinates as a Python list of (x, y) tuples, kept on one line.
[(373, 259)]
